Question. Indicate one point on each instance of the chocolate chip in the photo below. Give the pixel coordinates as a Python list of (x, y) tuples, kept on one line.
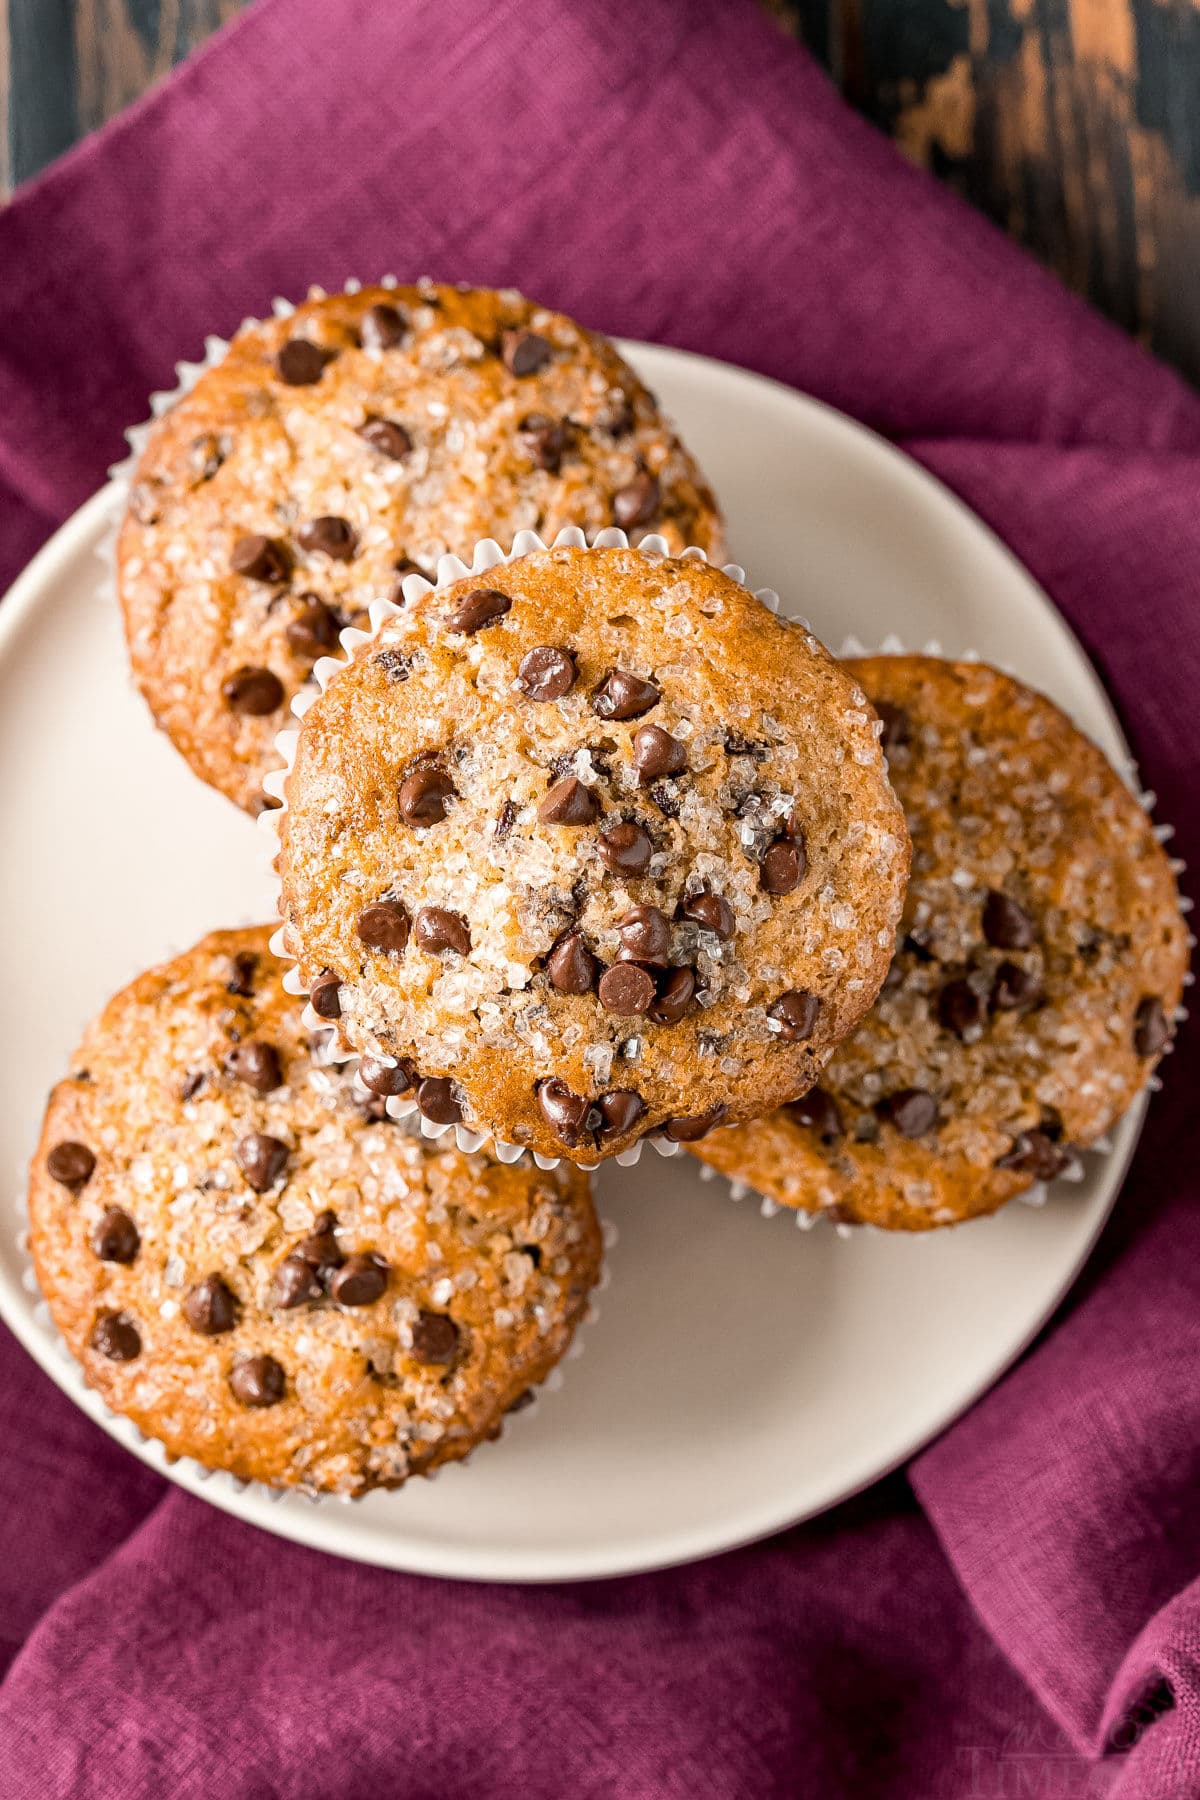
[(262, 1160), (665, 795), (1151, 1032), (257, 1065), (115, 1335), (546, 673), (645, 935), (437, 1102), (896, 729), (313, 631), (328, 536), (477, 610), (687, 1131), (404, 565), (656, 753), (625, 849), (505, 820), (626, 990), (674, 997), (960, 1008), (543, 439), (395, 665), (116, 1238), (783, 867), (70, 1163), (211, 1307), (620, 1109), (622, 696), (1006, 925), (383, 926), (325, 996), (257, 1381), (565, 1113), (710, 911), (320, 1249), (616, 419), (571, 966), (1015, 989), (381, 1077), (524, 352), (436, 929), (242, 969), (382, 327), (434, 1338), (638, 502), (361, 1280), (1034, 1153), (301, 362), (254, 692), (206, 456), (819, 1112), (386, 436), (192, 1085), (796, 1014), (569, 802), (423, 795), (294, 1283), (912, 1111), (754, 748), (260, 559)]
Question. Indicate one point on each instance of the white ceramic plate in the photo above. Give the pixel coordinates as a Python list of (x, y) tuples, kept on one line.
[(743, 1374)]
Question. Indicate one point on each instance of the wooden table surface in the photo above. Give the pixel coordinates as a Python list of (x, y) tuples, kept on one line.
[(1074, 123)]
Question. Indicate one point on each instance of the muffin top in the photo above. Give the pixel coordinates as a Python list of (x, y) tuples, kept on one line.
[(1036, 978), (332, 450), (264, 1272), (590, 847)]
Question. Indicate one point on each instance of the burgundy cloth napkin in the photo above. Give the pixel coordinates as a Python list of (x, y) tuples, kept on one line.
[(1022, 1614)]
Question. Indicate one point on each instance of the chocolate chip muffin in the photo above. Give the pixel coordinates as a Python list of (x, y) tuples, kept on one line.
[(332, 451), (264, 1272), (590, 848), (1036, 978)]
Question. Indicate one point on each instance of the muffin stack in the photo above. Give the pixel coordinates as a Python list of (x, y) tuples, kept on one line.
[(582, 850)]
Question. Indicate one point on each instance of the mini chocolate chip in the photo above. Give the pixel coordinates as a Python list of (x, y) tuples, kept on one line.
[(657, 753), (382, 327), (254, 692), (325, 996), (796, 1014), (294, 1283), (546, 673), (505, 820), (674, 997), (960, 1008), (192, 1085), (622, 696), (211, 1307), (620, 1109), (361, 1280), (313, 631), (569, 802), (783, 867), (301, 362), (328, 536), (638, 502), (206, 456), (257, 1381), (1034, 1153), (1006, 926), (423, 795), (645, 935), (437, 929), (262, 1159), (437, 1102), (626, 990), (383, 926), (625, 849), (571, 966), (116, 1238), (434, 1338), (115, 1335), (819, 1112), (524, 352), (896, 729), (381, 1077), (543, 439), (1151, 1032), (687, 1131), (1015, 989), (320, 1249), (71, 1164), (386, 436), (565, 1113), (242, 970), (710, 911), (477, 610), (616, 419), (260, 558), (912, 1111), (257, 1065)]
